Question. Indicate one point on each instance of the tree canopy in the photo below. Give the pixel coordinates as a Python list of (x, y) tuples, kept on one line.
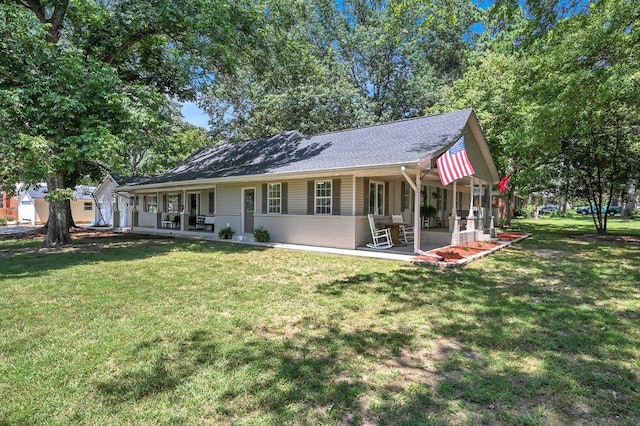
[(79, 80)]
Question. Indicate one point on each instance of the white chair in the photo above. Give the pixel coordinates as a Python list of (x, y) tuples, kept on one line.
[(381, 237), (200, 223), (407, 231)]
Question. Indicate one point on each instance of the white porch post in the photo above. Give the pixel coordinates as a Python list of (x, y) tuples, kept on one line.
[(480, 207), (471, 220), (417, 224), (184, 218), (454, 208), (416, 209)]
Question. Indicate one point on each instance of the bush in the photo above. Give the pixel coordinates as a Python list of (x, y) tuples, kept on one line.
[(261, 235), (226, 233), (4, 221)]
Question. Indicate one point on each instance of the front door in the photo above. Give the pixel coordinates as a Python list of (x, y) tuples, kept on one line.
[(194, 207), (249, 208)]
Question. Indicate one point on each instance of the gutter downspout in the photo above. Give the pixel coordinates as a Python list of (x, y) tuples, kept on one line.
[(417, 226)]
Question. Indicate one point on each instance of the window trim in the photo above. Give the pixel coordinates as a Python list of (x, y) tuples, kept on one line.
[(378, 205), (328, 197), (176, 204), (212, 206), (278, 198), (149, 206)]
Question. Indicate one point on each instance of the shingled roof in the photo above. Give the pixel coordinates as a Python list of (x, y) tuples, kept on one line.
[(400, 142)]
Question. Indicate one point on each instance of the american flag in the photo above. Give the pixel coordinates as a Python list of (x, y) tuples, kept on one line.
[(454, 163)]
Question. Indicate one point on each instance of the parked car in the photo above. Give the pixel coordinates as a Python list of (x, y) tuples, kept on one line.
[(548, 209), (612, 211)]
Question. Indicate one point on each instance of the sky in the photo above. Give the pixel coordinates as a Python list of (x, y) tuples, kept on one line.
[(194, 115)]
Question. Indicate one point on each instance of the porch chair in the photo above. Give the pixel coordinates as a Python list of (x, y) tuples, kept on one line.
[(200, 223), (407, 231), (381, 237)]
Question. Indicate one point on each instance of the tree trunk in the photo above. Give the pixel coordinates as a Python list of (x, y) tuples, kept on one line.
[(59, 211), (631, 197), (70, 222), (508, 211)]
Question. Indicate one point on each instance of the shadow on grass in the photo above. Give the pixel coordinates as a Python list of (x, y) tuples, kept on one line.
[(31, 261), (539, 301), (289, 381)]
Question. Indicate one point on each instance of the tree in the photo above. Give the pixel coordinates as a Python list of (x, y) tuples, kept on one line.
[(585, 83), (328, 65), (73, 76)]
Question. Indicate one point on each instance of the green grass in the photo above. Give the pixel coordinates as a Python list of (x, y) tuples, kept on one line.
[(153, 331)]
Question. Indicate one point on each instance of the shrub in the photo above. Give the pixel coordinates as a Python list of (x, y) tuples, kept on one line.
[(261, 235), (4, 221), (226, 233)]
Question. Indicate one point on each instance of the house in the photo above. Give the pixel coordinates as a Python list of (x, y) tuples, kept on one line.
[(8, 206), (319, 190), (33, 207), (113, 206)]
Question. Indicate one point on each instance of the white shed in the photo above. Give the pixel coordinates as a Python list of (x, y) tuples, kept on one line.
[(112, 208)]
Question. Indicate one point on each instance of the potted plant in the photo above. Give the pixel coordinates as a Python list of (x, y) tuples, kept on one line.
[(428, 211), (226, 233), (261, 235)]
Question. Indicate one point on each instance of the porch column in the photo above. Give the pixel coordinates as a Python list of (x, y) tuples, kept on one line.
[(115, 215), (471, 220), (416, 209), (184, 218), (417, 224), (481, 210), (454, 208)]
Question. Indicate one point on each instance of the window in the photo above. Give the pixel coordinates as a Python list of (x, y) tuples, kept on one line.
[(173, 203), (376, 198), (323, 197), (274, 198), (212, 201), (151, 203), (26, 203), (406, 196), (88, 206)]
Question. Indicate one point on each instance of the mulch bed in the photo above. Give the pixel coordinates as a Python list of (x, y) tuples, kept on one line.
[(455, 254), (510, 236), (81, 233)]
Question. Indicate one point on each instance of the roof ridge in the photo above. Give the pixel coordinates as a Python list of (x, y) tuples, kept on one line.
[(404, 120), (293, 132)]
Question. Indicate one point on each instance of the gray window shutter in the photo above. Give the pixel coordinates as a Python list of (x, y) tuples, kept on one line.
[(264, 198), (403, 198), (285, 198), (365, 210), (164, 204), (335, 197), (386, 198), (310, 197)]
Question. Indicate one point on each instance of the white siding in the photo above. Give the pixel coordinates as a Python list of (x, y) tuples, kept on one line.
[(476, 157), (323, 230)]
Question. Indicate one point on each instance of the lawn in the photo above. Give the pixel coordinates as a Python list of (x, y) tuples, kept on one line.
[(169, 331)]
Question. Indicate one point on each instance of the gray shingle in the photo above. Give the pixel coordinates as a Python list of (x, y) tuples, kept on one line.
[(403, 141)]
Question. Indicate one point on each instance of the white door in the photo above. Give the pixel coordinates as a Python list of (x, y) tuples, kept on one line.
[(104, 214), (26, 211)]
